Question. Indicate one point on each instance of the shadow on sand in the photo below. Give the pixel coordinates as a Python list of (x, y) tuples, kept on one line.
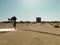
[(4, 32), (41, 32)]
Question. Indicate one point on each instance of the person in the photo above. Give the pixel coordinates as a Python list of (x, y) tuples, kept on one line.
[(13, 19)]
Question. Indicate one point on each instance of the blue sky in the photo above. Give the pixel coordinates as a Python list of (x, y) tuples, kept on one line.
[(28, 10)]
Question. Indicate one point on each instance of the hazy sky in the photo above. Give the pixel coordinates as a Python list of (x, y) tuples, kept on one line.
[(48, 10)]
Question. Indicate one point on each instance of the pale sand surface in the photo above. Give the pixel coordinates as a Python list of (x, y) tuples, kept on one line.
[(31, 34)]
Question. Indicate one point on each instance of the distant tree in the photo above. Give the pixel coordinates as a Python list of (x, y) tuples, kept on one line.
[(21, 21)]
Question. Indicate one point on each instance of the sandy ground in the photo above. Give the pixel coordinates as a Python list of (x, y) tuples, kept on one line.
[(30, 34)]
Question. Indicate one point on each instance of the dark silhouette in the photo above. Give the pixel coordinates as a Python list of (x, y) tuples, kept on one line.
[(14, 21)]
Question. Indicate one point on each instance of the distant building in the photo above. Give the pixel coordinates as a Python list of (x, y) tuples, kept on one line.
[(38, 19)]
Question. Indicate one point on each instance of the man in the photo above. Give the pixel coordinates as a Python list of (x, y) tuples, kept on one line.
[(13, 19)]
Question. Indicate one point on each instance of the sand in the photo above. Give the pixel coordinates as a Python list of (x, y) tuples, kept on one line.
[(30, 34)]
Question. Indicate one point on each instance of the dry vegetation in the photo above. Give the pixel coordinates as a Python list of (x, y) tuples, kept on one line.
[(30, 34)]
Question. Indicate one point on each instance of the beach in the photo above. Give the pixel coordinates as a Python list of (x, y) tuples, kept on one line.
[(30, 34)]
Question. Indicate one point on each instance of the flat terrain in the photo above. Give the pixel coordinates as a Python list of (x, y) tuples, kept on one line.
[(30, 34)]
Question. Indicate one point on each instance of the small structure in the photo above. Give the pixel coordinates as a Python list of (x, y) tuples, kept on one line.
[(38, 19)]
